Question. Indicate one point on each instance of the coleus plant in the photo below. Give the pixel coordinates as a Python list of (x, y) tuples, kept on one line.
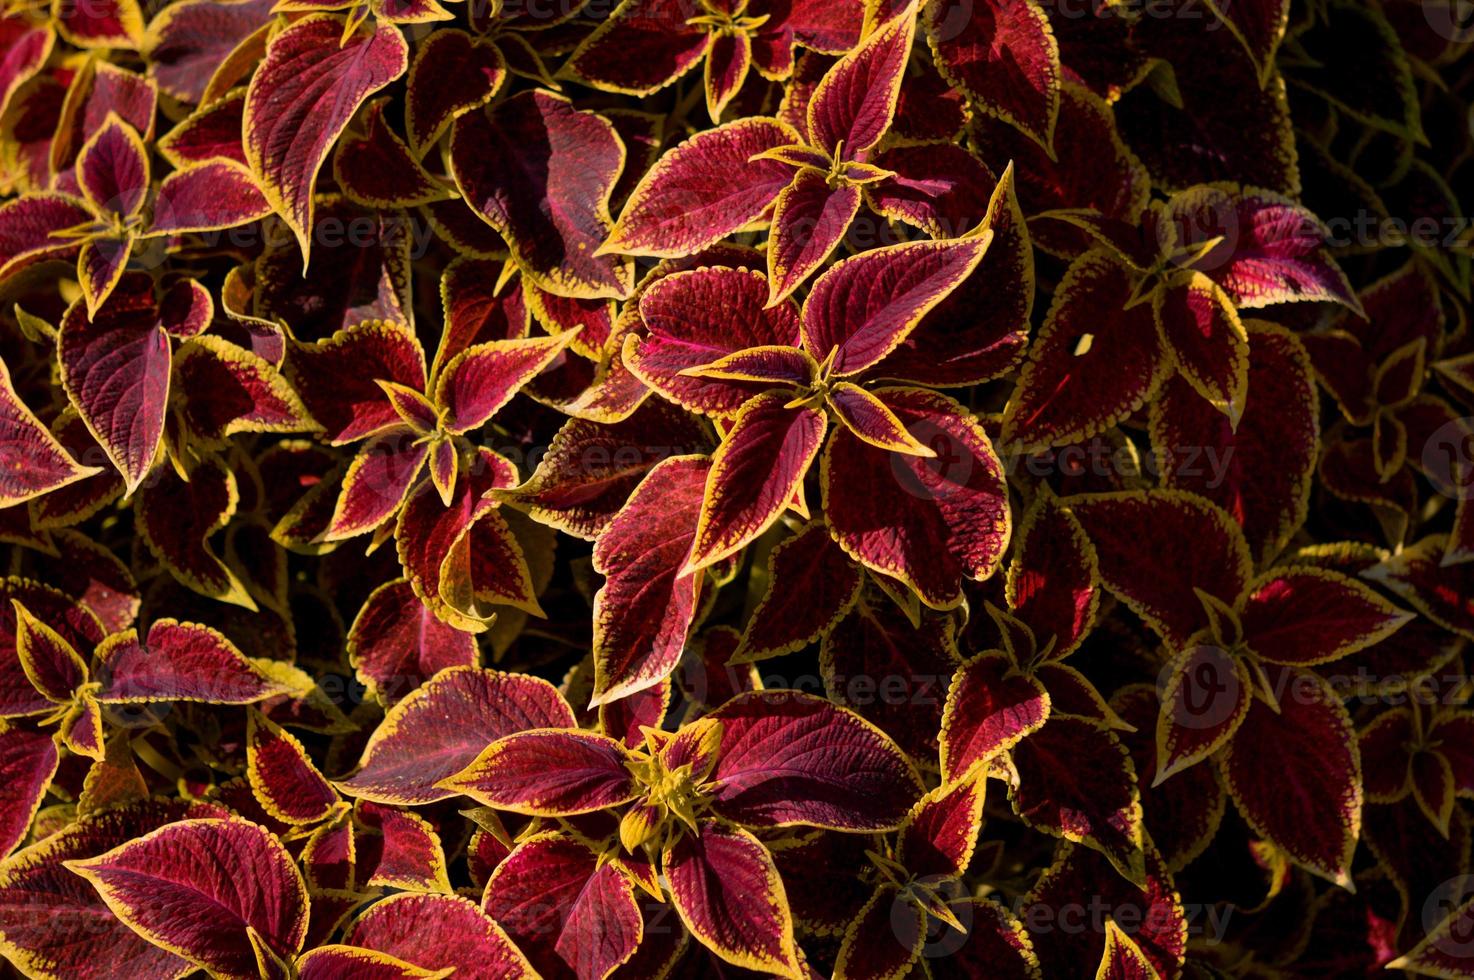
[(863, 489), (689, 801), (718, 181)]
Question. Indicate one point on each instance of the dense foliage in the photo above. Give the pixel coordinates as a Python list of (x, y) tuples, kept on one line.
[(684, 488)]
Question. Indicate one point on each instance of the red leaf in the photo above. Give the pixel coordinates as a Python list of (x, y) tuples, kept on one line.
[(1271, 249), (728, 893), (1157, 547), (590, 470), (1076, 781), (1093, 363), (791, 758), (115, 369), (811, 584), (991, 706), (476, 310), (641, 48), (727, 64), (1183, 814), (1196, 136), (940, 188), (1123, 959), (207, 196), (227, 389), (939, 834), (180, 662), (45, 909), (1306, 616), (555, 227), (198, 886), (32, 461), (99, 89), (1295, 774), (589, 323), (176, 520), (438, 932), (865, 306), (375, 168), (76, 625), (337, 378), (27, 229), (1208, 694), (754, 475), (1441, 592), (704, 189), (884, 938), (486, 567), (188, 41), (28, 760), (853, 106), (1261, 470), (810, 218), (433, 540), (27, 46), (980, 330), (441, 727), (396, 644), (1202, 332), (574, 915), (891, 672), (1442, 951), (1080, 878), (548, 773), (112, 170), (1054, 578), (1384, 749), (646, 606), (996, 945), (100, 267), (337, 962), (381, 475), (53, 666), (697, 318), (105, 24), (1004, 57), (481, 379), (283, 778), (212, 132), (1259, 25), (452, 74), (309, 66), (1091, 168), (929, 522), (406, 854)]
